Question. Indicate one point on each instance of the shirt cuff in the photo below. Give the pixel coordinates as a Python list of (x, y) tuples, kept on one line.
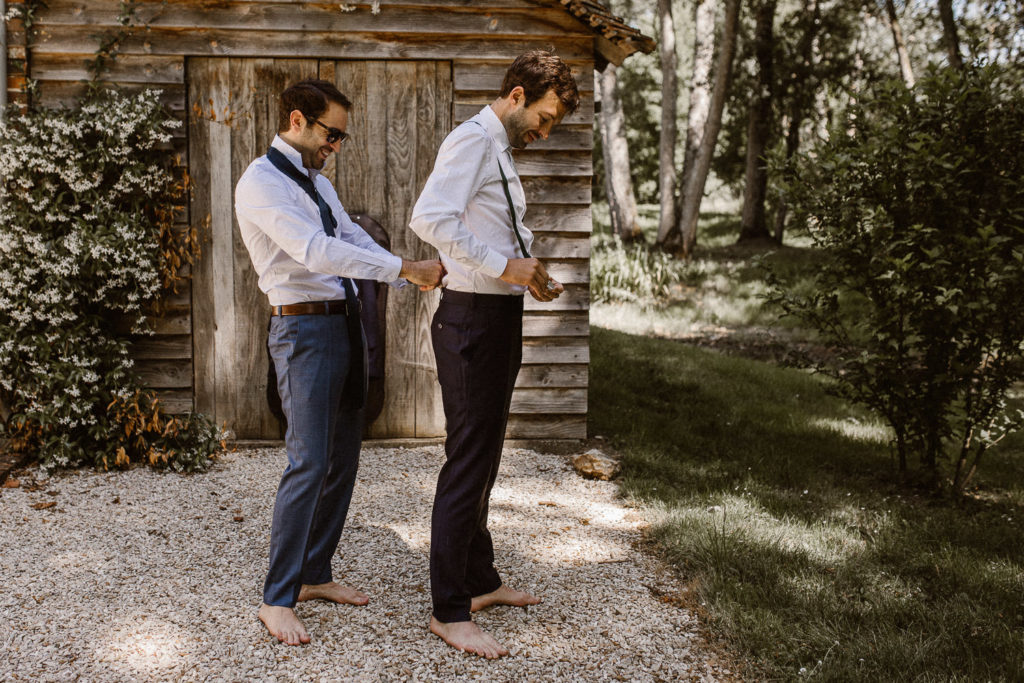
[(392, 273), (494, 264)]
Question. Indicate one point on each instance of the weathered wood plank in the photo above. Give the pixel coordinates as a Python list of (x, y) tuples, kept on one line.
[(468, 105), (433, 120), (575, 298), (488, 76), (221, 255), (54, 93), (152, 70), (176, 401), (279, 16), (175, 322), (399, 84), (547, 190), (552, 376), (556, 324), (549, 401), (319, 43), (202, 74), (555, 246), (250, 138), (258, 105), (564, 137), (568, 272), (162, 348), (165, 374), (546, 427), (554, 163), (392, 5), (556, 350), (555, 218), (360, 173)]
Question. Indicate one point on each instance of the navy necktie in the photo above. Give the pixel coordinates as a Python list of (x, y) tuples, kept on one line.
[(354, 392)]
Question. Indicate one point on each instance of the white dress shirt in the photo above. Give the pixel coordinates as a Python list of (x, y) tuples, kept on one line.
[(463, 211), (296, 261)]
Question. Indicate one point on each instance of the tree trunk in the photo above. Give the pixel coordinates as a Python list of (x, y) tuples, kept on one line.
[(667, 143), (754, 225), (949, 34), (901, 46), (803, 100), (669, 238), (693, 190), (618, 183)]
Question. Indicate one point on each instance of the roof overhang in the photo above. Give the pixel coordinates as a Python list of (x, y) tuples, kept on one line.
[(615, 40)]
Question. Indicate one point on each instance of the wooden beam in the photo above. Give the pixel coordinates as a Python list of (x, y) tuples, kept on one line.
[(556, 324), (537, 22), (556, 218), (549, 401), (547, 190), (488, 76), (552, 376), (546, 427), (152, 70), (468, 105), (209, 42), (546, 351)]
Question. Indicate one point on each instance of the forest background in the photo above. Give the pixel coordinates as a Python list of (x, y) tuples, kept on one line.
[(823, 201)]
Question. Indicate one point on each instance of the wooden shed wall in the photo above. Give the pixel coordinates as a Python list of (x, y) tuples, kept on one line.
[(480, 39)]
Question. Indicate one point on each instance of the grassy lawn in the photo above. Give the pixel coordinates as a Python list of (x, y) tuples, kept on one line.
[(776, 502)]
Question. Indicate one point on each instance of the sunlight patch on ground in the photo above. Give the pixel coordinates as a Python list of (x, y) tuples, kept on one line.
[(143, 646), (743, 520), (415, 536), (851, 427)]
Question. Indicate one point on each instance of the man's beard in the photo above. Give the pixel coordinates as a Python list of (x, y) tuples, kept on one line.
[(517, 129)]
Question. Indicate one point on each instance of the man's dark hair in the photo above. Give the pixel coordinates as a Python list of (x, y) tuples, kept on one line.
[(312, 97), (538, 71)]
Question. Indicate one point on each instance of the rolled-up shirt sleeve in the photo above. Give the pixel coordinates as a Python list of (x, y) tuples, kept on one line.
[(437, 217), (291, 221)]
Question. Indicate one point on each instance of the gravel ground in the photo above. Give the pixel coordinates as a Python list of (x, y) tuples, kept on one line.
[(144, 576)]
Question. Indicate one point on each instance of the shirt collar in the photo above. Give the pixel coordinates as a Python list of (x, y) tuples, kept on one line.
[(293, 156), (492, 124)]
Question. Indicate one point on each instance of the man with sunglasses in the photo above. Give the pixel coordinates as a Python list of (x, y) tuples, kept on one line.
[(306, 251), (471, 210)]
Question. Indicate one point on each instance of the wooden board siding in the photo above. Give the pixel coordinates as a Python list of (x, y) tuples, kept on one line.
[(475, 41), (401, 113)]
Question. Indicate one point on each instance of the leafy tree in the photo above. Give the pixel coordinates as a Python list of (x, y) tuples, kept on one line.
[(919, 215)]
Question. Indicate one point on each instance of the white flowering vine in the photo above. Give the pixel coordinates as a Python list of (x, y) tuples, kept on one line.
[(85, 200)]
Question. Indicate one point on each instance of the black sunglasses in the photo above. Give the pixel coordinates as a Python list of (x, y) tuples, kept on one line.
[(333, 134)]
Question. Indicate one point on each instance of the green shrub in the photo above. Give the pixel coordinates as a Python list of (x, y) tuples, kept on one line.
[(917, 204), (86, 240)]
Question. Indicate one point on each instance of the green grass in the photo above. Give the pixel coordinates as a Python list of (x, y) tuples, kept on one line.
[(641, 290), (775, 500)]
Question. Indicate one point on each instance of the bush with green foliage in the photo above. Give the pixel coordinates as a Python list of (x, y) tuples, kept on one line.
[(86, 214), (917, 203)]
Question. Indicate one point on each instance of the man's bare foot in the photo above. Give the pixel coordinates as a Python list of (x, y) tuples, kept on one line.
[(465, 636), (283, 624), (503, 596), (333, 592)]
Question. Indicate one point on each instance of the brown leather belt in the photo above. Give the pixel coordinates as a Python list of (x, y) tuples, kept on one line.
[(336, 307)]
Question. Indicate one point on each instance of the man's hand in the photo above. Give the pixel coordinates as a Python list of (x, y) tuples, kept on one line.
[(426, 274), (531, 272)]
